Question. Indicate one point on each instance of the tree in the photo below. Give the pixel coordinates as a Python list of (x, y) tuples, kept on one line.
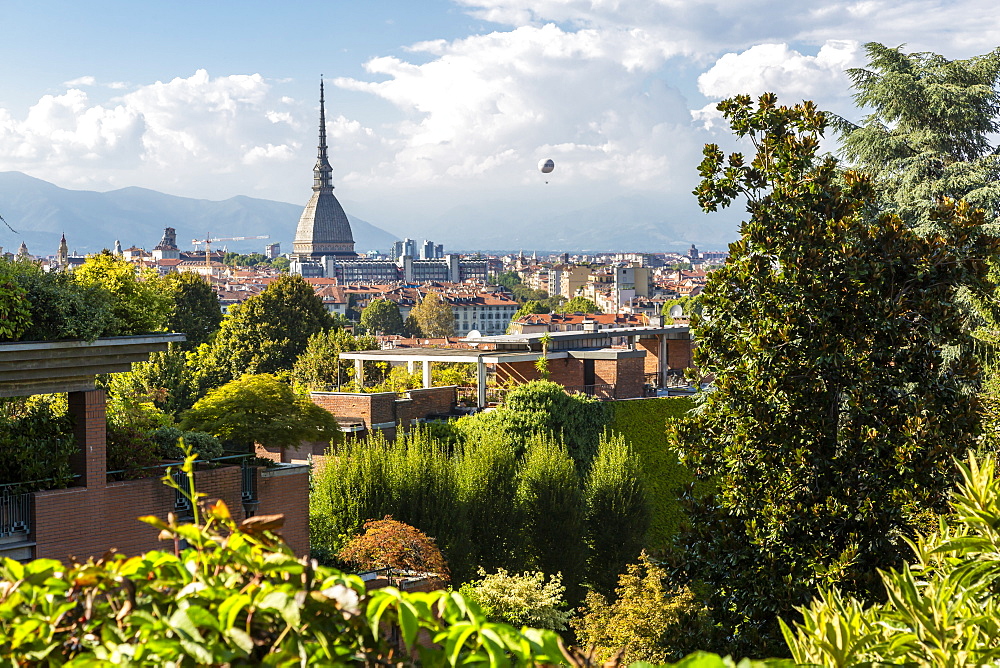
[(649, 618), (15, 308), (524, 599), (381, 316), (617, 514), (579, 305), (320, 368), (139, 303), (58, 306), (268, 332), (836, 411), (195, 310), (434, 316), (930, 132), (509, 279), (260, 409), (387, 543), (529, 308)]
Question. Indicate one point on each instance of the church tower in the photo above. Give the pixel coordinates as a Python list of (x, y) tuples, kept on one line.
[(62, 258), (323, 229)]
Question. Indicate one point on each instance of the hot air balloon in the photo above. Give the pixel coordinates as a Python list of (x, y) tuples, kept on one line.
[(545, 166)]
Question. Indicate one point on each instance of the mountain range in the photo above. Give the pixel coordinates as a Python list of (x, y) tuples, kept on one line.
[(41, 212)]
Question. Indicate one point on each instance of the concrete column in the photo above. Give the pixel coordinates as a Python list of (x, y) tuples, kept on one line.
[(480, 383), (427, 373), (359, 373), (411, 366), (90, 423), (662, 366)]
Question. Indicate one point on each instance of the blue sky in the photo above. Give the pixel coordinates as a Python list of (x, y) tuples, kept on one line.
[(438, 110)]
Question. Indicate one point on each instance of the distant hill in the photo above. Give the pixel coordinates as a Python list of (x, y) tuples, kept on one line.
[(41, 212)]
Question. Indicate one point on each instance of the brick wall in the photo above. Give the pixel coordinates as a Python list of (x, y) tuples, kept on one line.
[(285, 491), (679, 353), (85, 522), (372, 408), (425, 401), (630, 382), (567, 371), (89, 411), (652, 359)]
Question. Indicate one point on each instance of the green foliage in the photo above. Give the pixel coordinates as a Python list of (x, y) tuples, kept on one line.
[(508, 279), (237, 596), (139, 302), (194, 310), (130, 451), (259, 408), (269, 331), (387, 543), (168, 381), (486, 473), (15, 308), (618, 513), (651, 620), (168, 446), (434, 316), (62, 308), (836, 412), (552, 512), (319, 366), (36, 443), (942, 607), (643, 423), (529, 308), (381, 316), (524, 599), (579, 305), (689, 306), (930, 130)]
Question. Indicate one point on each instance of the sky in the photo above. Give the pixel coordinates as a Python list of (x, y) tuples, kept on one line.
[(437, 109)]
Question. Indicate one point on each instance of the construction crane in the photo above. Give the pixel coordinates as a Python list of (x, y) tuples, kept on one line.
[(208, 244)]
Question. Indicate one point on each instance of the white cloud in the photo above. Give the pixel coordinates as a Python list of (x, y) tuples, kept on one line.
[(81, 81), (779, 69)]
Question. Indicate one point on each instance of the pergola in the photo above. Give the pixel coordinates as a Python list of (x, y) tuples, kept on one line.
[(425, 356)]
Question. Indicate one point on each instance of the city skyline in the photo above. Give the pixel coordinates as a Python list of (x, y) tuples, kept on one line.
[(440, 108)]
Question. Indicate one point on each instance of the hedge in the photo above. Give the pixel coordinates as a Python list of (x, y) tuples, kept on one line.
[(642, 422)]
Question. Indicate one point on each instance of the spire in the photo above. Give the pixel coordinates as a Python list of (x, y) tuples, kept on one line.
[(322, 171)]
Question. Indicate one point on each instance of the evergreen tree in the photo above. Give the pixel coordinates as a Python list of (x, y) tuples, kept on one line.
[(836, 413), (381, 316), (195, 309), (434, 316), (551, 503), (930, 132), (617, 513)]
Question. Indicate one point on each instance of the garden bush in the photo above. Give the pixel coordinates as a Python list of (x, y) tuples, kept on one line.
[(203, 444), (36, 443)]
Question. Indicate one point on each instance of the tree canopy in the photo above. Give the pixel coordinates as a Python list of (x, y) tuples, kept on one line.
[(840, 372), (579, 305), (139, 305), (381, 316), (195, 308), (434, 316), (268, 332), (260, 409)]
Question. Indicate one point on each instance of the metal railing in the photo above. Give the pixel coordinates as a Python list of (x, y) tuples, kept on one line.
[(15, 511), (600, 391)]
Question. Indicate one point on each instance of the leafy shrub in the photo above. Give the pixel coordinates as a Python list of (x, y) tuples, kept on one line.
[(387, 543), (36, 443), (238, 596), (524, 599), (203, 444), (15, 308), (942, 607), (130, 452), (648, 618), (642, 423), (62, 308)]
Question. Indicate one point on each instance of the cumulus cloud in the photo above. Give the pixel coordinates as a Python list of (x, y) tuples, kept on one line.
[(81, 81), (777, 68)]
